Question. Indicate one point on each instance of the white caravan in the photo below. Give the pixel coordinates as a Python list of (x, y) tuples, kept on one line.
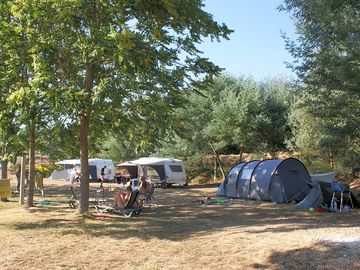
[(95, 166), (164, 171)]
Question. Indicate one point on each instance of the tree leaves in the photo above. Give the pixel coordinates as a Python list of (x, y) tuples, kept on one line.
[(327, 55), (105, 66)]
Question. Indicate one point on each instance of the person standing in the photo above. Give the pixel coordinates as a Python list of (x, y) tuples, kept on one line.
[(18, 173), (144, 188), (39, 178), (102, 176)]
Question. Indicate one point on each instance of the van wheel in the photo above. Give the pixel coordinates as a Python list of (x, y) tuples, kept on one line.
[(163, 185)]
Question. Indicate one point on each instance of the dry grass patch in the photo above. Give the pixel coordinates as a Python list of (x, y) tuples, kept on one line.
[(178, 234)]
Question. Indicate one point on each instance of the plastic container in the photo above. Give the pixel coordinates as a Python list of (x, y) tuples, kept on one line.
[(334, 206)]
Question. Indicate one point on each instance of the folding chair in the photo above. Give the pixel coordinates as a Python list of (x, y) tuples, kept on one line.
[(149, 196), (73, 201), (343, 192), (100, 197), (132, 208)]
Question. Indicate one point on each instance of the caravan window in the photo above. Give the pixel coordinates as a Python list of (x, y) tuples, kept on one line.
[(176, 168)]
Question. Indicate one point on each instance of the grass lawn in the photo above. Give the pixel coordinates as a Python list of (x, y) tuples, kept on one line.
[(178, 234)]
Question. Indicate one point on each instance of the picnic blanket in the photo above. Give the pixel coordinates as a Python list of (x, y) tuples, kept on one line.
[(209, 201), (46, 203)]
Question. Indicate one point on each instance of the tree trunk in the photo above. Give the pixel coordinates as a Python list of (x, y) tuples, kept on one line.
[(221, 167), (241, 153), (4, 165), (218, 160), (84, 182), (215, 168), (84, 144), (31, 177)]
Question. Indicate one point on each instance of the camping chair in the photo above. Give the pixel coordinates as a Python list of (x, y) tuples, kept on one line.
[(100, 197), (342, 191), (73, 201), (131, 208), (149, 196)]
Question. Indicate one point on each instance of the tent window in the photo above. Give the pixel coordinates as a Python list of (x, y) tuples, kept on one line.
[(176, 168), (232, 178), (246, 173)]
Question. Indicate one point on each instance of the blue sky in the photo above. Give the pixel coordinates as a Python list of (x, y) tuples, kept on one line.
[(256, 48)]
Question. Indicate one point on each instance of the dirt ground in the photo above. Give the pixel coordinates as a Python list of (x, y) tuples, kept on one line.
[(177, 234)]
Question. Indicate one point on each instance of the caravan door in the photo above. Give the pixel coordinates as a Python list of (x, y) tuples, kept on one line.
[(109, 170)]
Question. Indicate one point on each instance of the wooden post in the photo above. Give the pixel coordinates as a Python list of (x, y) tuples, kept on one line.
[(22, 180)]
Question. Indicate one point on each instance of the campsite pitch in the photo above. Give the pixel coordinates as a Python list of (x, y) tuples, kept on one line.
[(178, 234)]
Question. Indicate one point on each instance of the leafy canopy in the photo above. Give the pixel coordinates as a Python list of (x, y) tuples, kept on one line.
[(327, 52)]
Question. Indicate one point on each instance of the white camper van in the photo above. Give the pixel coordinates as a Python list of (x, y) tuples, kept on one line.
[(164, 171), (95, 166)]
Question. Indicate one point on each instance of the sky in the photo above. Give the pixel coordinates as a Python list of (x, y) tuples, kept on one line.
[(256, 48)]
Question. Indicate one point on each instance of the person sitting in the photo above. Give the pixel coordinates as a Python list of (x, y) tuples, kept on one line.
[(144, 187), (121, 198)]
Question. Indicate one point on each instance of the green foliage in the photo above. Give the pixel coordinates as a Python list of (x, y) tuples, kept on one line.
[(197, 171), (305, 130), (100, 66), (316, 164), (249, 115), (326, 56), (253, 115), (115, 148)]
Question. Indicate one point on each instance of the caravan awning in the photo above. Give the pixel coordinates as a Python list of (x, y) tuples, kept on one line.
[(69, 161), (126, 164), (146, 161), (325, 177)]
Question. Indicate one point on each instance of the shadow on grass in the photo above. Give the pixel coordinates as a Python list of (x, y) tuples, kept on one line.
[(178, 217), (321, 255)]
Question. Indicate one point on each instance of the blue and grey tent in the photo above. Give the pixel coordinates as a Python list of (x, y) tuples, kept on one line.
[(280, 181)]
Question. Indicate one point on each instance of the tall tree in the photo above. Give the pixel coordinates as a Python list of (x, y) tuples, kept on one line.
[(238, 114), (26, 74), (327, 53), (275, 130), (252, 115), (120, 62)]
